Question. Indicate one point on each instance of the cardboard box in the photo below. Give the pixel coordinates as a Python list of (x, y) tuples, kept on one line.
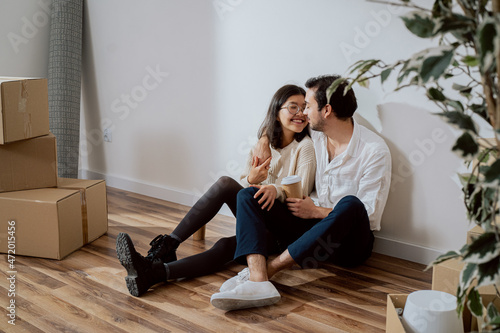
[(446, 277), (24, 108), (48, 222), (28, 164), (93, 203), (392, 322)]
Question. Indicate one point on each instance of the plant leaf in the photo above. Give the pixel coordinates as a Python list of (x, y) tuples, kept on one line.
[(474, 303), (481, 110), (460, 26), (486, 35), (385, 74), (466, 146), (419, 23), (467, 275), (333, 87), (455, 105), (459, 120), (483, 249), (493, 173), (441, 7), (489, 273), (435, 94), (461, 88), (444, 257), (495, 321), (364, 82), (436, 62), (471, 61), (492, 314), (362, 66), (467, 178)]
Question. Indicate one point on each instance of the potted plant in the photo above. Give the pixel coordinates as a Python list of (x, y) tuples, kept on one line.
[(466, 61)]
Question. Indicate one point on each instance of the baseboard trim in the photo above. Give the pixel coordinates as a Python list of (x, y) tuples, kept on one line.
[(390, 247), (412, 252)]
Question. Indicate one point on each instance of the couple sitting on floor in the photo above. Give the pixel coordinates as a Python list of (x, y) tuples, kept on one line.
[(351, 168)]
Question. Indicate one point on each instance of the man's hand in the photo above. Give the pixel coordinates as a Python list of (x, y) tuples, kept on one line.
[(262, 150), (258, 173), (268, 193), (304, 208)]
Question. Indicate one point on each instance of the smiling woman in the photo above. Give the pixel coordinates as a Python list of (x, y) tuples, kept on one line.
[(277, 116)]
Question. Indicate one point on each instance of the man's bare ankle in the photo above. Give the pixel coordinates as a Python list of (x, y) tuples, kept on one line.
[(258, 277)]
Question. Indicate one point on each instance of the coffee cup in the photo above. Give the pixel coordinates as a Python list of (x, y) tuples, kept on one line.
[(292, 185)]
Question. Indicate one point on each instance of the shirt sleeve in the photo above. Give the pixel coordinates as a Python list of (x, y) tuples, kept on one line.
[(374, 187)]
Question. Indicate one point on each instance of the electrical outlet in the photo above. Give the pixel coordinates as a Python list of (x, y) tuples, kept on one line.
[(107, 135)]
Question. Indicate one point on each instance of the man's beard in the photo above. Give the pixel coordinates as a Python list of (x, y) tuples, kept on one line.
[(319, 126)]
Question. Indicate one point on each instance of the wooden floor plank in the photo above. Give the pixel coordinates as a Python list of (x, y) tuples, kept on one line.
[(86, 291)]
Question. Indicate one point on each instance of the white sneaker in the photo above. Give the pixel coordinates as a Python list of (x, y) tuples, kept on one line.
[(235, 281), (246, 295)]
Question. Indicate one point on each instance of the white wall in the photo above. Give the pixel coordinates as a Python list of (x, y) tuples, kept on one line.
[(217, 64), (24, 37)]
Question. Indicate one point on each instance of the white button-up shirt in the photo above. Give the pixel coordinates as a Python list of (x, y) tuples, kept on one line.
[(362, 170)]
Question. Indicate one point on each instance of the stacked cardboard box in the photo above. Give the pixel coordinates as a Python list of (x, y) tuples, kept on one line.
[(40, 215)]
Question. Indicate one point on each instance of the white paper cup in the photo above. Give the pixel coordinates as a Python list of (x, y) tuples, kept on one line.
[(292, 185), (431, 311)]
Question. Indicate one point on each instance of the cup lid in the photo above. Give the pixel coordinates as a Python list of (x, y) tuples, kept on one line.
[(290, 180)]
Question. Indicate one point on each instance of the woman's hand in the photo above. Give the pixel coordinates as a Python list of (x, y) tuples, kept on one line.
[(258, 173), (268, 193)]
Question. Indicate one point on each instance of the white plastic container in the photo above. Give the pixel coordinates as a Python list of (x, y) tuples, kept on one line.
[(431, 311)]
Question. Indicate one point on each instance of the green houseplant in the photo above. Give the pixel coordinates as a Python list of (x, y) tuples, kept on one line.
[(460, 75)]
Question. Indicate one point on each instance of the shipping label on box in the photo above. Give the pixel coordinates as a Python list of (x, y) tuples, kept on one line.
[(47, 222), (94, 206), (24, 108), (28, 164)]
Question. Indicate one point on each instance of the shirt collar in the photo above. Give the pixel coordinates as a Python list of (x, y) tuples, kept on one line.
[(352, 148)]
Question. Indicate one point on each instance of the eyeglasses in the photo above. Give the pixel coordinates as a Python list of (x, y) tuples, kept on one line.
[(293, 108)]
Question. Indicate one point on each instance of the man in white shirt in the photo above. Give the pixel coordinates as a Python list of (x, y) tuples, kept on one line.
[(352, 183)]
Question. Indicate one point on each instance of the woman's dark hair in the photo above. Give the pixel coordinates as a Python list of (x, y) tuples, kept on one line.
[(271, 126), (343, 105)]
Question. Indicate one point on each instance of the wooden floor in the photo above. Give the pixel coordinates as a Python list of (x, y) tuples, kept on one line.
[(86, 291)]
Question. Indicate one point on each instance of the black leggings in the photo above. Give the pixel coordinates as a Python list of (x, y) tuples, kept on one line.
[(224, 191)]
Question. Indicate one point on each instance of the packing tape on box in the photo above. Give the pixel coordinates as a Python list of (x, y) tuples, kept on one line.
[(85, 222), (23, 96), (28, 129), (22, 105)]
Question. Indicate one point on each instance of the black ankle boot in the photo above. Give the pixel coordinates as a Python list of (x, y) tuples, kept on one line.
[(142, 273), (163, 247)]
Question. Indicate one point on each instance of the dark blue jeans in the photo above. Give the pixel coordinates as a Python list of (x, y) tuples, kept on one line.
[(343, 237)]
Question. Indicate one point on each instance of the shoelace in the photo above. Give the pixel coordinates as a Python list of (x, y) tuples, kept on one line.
[(156, 244), (243, 275)]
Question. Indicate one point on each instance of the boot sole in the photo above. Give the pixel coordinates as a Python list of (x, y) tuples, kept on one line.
[(124, 253), (229, 304)]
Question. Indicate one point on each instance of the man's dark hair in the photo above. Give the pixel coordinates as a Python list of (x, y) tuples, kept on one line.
[(271, 126), (343, 105)]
